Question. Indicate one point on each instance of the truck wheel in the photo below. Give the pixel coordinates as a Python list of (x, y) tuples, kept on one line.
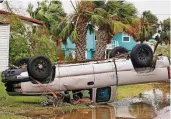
[(142, 55), (117, 51), (39, 67), (21, 61)]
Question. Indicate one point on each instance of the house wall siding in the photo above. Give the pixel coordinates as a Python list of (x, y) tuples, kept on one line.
[(4, 46), (90, 41), (129, 45), (91, 44)]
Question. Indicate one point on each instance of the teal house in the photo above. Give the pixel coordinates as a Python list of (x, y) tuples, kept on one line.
[(120, 39)]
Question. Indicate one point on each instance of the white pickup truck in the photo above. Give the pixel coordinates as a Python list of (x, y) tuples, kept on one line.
[(101, 77)]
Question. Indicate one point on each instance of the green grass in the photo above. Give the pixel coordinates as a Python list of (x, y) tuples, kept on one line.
[(20, 107), (16, 99), (131, 90)]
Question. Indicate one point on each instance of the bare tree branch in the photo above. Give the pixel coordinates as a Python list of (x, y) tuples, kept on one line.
[(7, 6)]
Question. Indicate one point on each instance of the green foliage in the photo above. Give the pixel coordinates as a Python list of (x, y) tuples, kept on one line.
[(144, 34), (165, 34), (121, 9), (166, 24), (90, 27), (146, 30), (99, 3), (74, 35), (112, 17), (163, 49), (97, 19), (25, 43), (51, 13), (117, 26), (41, 44), (67, 29), (101, 11), (18, 48), (150, 18), (16, 24)]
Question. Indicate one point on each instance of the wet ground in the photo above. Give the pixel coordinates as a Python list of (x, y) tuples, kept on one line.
[(153, 104)]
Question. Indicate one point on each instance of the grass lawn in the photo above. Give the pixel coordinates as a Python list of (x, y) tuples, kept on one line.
[(131, 90), (21, 107)]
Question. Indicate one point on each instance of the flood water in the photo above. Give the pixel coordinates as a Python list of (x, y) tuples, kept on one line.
[(153, 104)]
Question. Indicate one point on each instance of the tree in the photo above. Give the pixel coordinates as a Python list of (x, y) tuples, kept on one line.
[(165, 34), (150, 18), (119, 16), (147, 21), (75, 26), (18, 42), (18, 48), (24, 43), (166, 24), (51, 13), (40, 44)]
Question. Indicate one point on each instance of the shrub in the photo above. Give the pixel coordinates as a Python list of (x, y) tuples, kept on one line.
[(41, 44), (18, 48)]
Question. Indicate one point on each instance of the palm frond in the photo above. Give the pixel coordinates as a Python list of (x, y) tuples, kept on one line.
[(132, 20), (100, 3), (117, 26), (59, 28), (113, 6), (30, 9), (90, 28), (101, 11), (97, 20), (74, 35), (66, 31), (44, 6)]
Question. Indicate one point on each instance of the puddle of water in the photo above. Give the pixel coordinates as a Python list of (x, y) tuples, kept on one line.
[(148, 105)]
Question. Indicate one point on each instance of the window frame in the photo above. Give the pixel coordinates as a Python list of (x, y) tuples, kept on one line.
[(125, 35), (97, 100)]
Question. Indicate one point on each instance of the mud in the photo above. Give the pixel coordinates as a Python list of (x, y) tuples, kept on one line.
[(153, 104)]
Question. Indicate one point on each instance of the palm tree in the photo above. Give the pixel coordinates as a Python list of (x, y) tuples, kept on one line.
[(75, 26), (117, 17), (148, 19), (94, 13), (51, 13)]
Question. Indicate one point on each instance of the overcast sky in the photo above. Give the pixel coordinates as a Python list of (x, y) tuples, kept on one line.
[(161, 8)]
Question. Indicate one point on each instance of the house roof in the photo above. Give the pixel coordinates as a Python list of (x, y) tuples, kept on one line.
[(24, 18)]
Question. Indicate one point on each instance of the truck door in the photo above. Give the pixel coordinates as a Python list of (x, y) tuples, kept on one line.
[(76, 76), (105, 74)]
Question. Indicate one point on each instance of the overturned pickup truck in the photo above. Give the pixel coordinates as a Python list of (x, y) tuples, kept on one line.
[(101, 78)]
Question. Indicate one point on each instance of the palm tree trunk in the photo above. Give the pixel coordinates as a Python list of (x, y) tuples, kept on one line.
[(102, 38), (81, 41)]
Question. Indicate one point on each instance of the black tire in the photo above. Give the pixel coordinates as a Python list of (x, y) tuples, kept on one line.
[(142, 55), (21, 61), (39, 67), (117, 51)]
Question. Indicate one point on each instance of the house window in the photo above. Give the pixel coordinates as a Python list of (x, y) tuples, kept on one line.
[(125, 37)]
